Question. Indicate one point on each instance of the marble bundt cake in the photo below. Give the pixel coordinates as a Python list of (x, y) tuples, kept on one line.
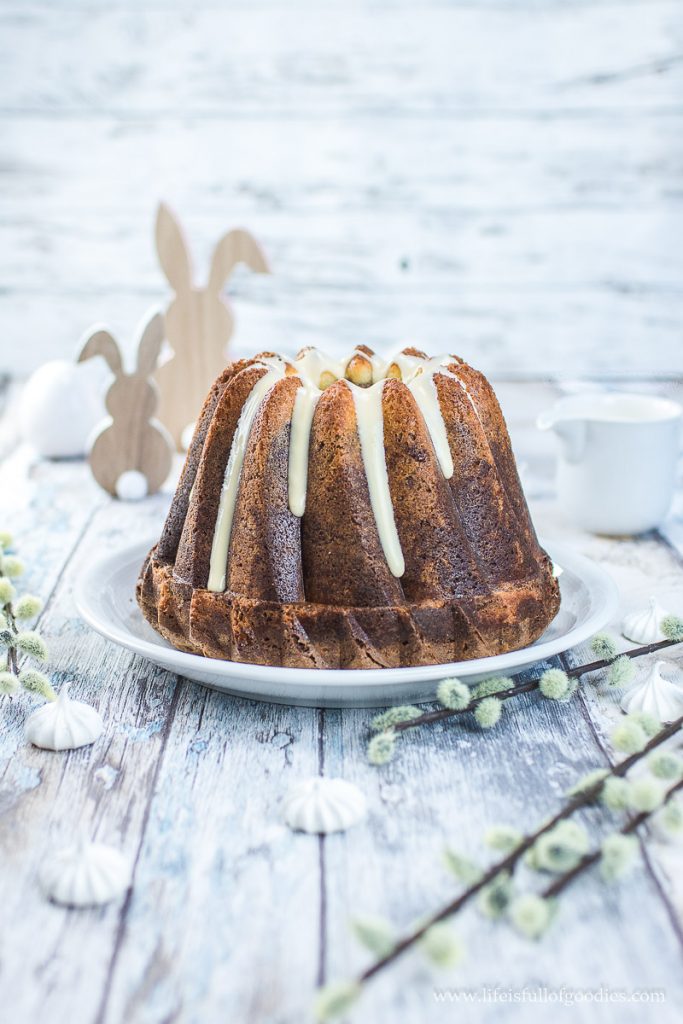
[(354, 514)]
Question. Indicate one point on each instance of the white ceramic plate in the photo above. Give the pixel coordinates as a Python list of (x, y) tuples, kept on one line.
[(105, 597)]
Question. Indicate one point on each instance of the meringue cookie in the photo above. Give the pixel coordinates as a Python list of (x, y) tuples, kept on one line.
[(644, 625), (86, 874), (63, 724), (655, 695), (321, 805)]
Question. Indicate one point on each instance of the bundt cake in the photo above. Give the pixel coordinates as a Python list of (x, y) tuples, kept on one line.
[(354, 514)]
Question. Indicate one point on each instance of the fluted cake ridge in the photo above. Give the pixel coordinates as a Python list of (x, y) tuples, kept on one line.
[(362, 512)]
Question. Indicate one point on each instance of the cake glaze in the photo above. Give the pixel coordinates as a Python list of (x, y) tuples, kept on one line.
[(351, 513)]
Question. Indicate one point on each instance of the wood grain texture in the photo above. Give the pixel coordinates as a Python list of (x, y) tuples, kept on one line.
[(639, 570), (499, 179), (198, 322), (514, 775), (131, 440), (484, 176), (351, 57), (231, 915)]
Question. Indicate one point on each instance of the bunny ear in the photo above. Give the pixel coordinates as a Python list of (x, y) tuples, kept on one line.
[(101, 343), (172, 250), (151, 340), (237, 246)]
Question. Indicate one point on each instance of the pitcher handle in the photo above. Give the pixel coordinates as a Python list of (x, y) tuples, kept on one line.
[(572, 434)]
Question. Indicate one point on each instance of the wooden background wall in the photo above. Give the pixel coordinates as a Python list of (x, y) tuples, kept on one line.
[(502, 179)]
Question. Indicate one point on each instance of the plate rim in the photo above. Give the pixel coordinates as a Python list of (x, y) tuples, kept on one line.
[(600, 584)]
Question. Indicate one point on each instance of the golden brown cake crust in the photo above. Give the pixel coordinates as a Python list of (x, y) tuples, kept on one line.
[(308, 635), (317, 592)]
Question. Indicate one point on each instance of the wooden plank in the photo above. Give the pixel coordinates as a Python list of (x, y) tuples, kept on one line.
[(458, 202), (640, 568), (352, 58), (226, 909), (530, 213), (9, 426), (485, 251), (265, 5), (512, 334), (46, 506), (187, 782), (491, 166), (560, 258), (224, 918), (448, 785)]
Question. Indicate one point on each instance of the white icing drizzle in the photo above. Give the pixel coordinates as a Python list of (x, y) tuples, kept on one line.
[(379, 366), (463, 387), (368, 402), (417, 374), (410, 366), (306, 399), (233, 472), (423, 390), (407, 364), (312, 363)]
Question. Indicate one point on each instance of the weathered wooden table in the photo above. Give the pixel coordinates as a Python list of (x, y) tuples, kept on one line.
[(500, 178), (231, 916)]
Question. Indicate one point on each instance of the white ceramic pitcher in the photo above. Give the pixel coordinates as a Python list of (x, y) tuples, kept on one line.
[(617, 463)]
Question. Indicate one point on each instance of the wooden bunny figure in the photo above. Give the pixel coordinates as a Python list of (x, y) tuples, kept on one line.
[(199, 321), (131, 444)]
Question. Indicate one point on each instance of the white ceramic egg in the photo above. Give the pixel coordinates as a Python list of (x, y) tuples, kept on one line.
[(60, 406)]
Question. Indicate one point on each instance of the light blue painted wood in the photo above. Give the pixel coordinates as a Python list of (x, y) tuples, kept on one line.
[(232, 914), (476, 176)]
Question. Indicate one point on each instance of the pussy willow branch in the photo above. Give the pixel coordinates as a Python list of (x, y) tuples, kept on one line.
[(562, 881), (12, 660), (509, 862), (573, 673)]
